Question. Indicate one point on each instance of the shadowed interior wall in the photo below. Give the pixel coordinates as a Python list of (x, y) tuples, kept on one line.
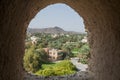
[(102, 21)]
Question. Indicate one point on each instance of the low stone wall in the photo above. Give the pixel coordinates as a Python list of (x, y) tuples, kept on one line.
[(77, 76)]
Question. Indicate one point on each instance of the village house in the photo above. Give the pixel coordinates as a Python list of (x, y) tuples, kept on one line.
[(55, 54), (54, 35), (34, 40), (84, 40)]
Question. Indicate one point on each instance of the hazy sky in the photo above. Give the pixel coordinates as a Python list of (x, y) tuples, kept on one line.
[(60, 15)]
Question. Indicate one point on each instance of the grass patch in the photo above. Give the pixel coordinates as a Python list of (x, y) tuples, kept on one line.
[(45, 66), (64, 67), (75, 53)]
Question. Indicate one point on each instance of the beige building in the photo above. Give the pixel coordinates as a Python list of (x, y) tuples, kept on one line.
[(54, 54)]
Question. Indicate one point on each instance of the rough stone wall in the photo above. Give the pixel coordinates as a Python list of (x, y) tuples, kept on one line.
[(102, 20)]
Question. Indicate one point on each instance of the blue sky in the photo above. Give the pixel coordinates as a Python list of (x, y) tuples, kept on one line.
[(60, 15)]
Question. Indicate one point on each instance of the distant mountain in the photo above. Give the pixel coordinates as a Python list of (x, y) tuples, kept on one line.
[(52, 30)]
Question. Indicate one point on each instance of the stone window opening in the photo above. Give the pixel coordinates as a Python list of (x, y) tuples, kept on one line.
[(54, 54), (102, 21)]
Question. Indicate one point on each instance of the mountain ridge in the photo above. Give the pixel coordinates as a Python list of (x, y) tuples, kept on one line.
[(51, 30)]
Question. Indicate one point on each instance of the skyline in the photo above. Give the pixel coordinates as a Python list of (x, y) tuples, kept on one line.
[(60, 15)]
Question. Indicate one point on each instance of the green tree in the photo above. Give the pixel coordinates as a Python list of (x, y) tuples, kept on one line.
[(84, 54), (85, 49), (32, 60)]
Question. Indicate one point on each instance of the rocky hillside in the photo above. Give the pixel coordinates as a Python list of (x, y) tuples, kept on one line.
[(52, 30)]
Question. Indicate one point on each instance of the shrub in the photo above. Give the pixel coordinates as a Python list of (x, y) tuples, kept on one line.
[(61, 68)]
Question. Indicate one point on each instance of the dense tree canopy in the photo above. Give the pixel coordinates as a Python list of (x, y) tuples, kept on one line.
[(71, 44)]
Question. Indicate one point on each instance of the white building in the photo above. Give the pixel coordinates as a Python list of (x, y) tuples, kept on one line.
[(84, 40), (54, 35), (34, 39)]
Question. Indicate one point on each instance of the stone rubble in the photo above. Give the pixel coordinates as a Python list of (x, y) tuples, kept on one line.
[(81, 75)]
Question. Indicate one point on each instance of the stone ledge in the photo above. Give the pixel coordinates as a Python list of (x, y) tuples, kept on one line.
[(81, 75)]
